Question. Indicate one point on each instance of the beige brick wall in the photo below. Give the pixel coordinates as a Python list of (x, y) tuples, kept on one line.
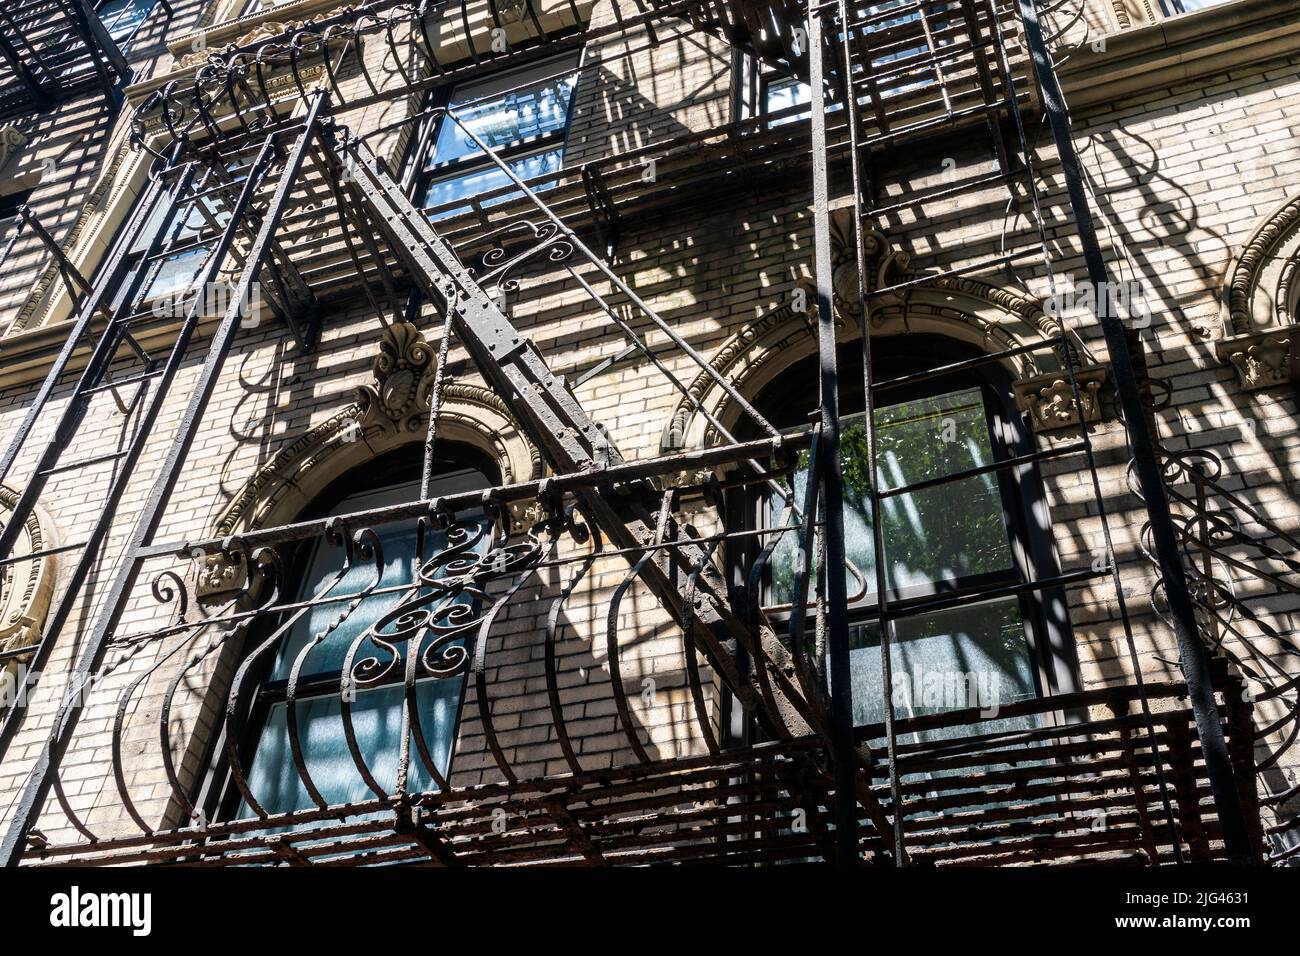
[(1180, 176)]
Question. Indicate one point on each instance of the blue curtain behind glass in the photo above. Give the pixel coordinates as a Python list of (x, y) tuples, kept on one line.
[(376, 711)]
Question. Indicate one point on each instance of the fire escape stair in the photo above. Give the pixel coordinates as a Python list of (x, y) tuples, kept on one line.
[(572, 443), (52, 51)]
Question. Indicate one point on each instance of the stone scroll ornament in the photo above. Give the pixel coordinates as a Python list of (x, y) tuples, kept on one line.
[(1260, 299)]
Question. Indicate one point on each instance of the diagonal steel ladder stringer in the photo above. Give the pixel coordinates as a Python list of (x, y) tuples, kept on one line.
[(273, 163)]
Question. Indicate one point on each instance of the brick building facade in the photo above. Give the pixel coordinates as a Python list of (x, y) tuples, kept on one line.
[(587, 649)]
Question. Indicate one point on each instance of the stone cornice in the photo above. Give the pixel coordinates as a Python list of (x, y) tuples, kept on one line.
[(1134, 61), (25, 357)]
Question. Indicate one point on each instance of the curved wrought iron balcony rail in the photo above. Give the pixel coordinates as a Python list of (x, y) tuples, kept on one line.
[(560, 754), (1068, 792)]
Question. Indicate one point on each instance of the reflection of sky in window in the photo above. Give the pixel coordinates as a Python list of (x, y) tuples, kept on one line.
[(483, 180), (505, 120), (121, 17), (501, 121), (178, 270), (783, 95)]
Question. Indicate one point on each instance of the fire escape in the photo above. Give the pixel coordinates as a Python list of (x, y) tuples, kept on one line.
[(1170, 766), (52, 51)]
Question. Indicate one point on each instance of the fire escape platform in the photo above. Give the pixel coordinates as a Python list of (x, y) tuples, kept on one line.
[(52, 51), (1049, 791)]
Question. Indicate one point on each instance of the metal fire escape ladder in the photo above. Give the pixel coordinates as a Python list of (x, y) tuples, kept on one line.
[(571, 442), (775, 32), (273, 163), (114, 344), (52, 51)]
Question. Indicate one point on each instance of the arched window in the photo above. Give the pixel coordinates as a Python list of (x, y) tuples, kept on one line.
[(960, 555), (313, 652)]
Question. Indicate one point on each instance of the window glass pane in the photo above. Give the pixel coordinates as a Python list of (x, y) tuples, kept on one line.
[(122, 17), (969, 657), (890, 41), (973, 656), (194, 223), (785, 94), (398, 541), (377, 711), (944, 533), (377, 722), (534, 109), (177, 272), (487, 178)]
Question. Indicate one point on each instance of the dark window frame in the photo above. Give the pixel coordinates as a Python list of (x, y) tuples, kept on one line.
[(1048, 632), (425, 140), (219, 796)]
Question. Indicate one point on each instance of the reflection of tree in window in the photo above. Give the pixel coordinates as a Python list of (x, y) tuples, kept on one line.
[(963, 536), (942, 533)]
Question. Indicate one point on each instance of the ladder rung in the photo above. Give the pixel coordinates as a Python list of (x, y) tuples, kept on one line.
[(1058, 451), (120, 382), (44, 553), (176, 250), (137, 348), (84, 463)]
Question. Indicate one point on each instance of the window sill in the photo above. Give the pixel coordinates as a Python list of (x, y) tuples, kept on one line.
[(1138, 60), (26, 356)]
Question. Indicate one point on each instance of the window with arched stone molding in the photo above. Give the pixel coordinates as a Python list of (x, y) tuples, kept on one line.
[(1260, 303), (390, 412), (987, 532), (300, 723), (368, 455)]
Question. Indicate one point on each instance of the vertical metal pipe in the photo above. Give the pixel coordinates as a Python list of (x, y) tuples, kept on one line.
[(883, 622), (832, 569), (1195, 660)]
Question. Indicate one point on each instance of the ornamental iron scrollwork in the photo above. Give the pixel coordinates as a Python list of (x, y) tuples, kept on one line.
[(1243, 573)]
